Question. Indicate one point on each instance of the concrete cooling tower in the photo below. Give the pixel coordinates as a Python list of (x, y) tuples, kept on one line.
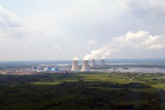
[(102, 62), (92, 63), (85, 66), (75, 66)]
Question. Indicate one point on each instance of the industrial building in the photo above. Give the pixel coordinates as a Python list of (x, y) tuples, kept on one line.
[(45, 68)]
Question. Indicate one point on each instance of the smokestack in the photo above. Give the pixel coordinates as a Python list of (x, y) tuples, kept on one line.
[(85, 66), (75, 66), (102, 62), (92, 63)]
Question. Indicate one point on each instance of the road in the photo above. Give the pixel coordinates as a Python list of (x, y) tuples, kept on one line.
[(135, 77)]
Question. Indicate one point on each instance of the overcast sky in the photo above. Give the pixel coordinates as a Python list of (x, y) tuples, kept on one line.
[(64, 29)]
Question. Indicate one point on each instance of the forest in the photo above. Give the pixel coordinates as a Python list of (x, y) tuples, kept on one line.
[(83, 91)]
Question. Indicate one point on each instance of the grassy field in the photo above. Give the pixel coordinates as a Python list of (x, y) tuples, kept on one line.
[(121, 78), (156, 80)]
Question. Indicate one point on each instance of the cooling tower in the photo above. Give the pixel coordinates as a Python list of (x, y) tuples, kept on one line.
[(102, 62), (92, 63), (75, 66), (85, 66)]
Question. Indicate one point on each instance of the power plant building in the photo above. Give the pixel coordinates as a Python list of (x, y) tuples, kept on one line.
[(55, 69), (45, 69), (34, 67)]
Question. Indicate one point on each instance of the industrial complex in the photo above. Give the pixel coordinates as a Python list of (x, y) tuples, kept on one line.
[(76, 66), (84, 67)]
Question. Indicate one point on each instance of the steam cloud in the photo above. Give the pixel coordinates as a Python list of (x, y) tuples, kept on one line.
[(75, 58), (141, 39)]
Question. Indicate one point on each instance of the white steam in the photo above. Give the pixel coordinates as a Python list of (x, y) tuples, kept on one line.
[(141, 39), (75, 58)]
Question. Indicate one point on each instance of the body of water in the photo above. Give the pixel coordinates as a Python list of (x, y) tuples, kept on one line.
[(139, 70)]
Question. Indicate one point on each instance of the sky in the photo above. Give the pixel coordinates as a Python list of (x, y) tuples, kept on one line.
[(87, 29)]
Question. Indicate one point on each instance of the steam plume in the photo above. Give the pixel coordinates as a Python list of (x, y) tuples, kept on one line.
[(75, 58), (141, 39)]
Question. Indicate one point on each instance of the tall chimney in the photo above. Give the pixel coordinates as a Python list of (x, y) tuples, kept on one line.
[(75, 66), (92, 63), (102, 62), (85, 66)]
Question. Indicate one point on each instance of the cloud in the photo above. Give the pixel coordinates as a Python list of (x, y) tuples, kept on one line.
[(141, 40), (72, 22), (92, 42), (8, 19), (152, 7), (73, 50), (24, 45), (41, 49), (156, 46), (16, 35), (75, 58), (58, 47), (10, 24)]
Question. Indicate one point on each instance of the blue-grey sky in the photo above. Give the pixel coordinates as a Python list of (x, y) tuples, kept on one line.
[(64, 29)]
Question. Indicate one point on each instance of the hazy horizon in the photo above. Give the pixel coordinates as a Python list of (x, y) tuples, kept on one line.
[(106, 60)]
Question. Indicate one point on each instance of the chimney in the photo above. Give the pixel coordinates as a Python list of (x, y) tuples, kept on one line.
[(92, 63), (75, 66), (85, 66)]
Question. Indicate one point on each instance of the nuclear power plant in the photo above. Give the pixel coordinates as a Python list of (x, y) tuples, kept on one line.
[(85, 66), (102, 62), (93, 63), (75, 67)]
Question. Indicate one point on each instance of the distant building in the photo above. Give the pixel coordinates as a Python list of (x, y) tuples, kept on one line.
[(34, 68), (55, 69), (45, 69)]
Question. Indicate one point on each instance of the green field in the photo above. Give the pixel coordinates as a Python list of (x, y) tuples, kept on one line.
[(83, 91), (156, 80)]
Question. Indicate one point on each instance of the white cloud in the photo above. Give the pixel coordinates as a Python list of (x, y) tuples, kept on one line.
[(92, 42), (16, 35), (58, 47), (75, 58), (24, 45), (141, 40), (8, 19), (156, 46), (41, 49), (10, 24), (73, 50), (148, 6), (71, 23)]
